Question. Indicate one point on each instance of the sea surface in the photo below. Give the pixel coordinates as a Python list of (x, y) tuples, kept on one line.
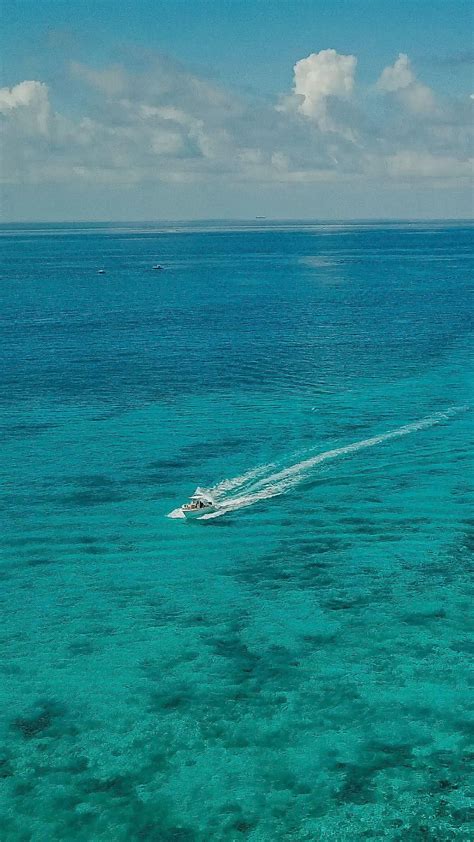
[(298, 668)]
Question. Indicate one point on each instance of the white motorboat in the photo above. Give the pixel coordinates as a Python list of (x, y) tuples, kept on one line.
[(200, 503)]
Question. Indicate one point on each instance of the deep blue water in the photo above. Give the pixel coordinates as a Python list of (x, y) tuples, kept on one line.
[(297, 669)]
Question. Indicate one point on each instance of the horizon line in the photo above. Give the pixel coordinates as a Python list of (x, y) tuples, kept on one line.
[(227, 219)]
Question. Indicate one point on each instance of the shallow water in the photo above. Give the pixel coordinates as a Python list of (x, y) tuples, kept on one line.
[(297, 669)]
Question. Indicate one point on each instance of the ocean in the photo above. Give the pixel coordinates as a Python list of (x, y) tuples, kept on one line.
[(296, 668)]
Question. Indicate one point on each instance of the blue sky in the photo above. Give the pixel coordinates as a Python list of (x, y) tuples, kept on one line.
[(222, 108)]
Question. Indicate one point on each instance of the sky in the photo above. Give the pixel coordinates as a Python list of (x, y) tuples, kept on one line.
[(321, 109)]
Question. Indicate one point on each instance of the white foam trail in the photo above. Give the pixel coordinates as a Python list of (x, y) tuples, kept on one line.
[(232, 504), (281, 481), (306, 464), (277, 483), (238, 482)]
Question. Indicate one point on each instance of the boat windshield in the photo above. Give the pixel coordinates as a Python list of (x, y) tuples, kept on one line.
[(198, 503)]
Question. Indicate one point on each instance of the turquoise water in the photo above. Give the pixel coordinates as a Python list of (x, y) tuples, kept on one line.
[(298, 668)]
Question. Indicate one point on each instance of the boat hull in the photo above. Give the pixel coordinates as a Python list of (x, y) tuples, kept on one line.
[(192, 514)]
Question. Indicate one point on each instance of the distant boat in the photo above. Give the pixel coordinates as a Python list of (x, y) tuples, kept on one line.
[(260, 217), (101, 271), (158, 268)]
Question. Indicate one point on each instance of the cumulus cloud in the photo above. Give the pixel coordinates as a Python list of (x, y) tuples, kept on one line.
[(318, 77), (397, 76), (164, 123), (399, 79), (27, 103), (321, 75), (27, 130)]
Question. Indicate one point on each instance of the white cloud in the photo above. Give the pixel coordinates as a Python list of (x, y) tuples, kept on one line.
[(166, 124), (399, 79), (27, 102), (397, 76), (411, 164), (318, 77)]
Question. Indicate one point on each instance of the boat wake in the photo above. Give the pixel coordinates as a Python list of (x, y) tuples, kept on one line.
[(264, 482)]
